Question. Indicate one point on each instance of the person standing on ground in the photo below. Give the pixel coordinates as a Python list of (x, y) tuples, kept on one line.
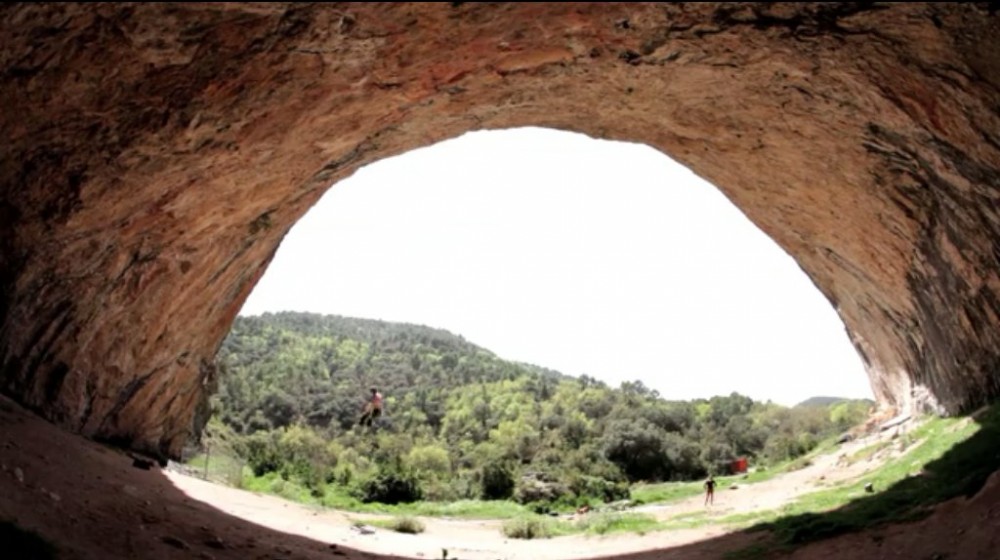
[(710, 491), (372, 410)]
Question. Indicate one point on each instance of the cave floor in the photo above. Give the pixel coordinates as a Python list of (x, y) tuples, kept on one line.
[(89, 501)]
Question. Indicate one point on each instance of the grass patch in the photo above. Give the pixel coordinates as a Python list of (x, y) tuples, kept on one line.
[(272, 483), (954, 457), (604, 523), (466, 509), (542, 527), (404, 524), (462, 509), (789, 465), (866, 453), (20, 543), (664, 492), (688, 520), (337, 497), (219, 468)]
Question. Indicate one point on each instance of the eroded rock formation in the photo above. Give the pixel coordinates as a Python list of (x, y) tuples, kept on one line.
[(156, 154)]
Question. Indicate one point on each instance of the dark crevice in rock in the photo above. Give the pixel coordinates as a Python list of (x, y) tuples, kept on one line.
[(807, 21)]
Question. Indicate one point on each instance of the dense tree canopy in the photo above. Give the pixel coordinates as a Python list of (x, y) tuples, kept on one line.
[(461, 422)]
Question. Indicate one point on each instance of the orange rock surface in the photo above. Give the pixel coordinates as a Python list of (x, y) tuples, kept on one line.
[(156, 154)]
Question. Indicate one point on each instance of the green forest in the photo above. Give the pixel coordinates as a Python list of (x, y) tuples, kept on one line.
[(461, 423)]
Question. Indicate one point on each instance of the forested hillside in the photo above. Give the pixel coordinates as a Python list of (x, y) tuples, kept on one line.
[(462, 423)]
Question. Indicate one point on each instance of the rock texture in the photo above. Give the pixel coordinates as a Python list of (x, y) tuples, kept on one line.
[(156, 154)]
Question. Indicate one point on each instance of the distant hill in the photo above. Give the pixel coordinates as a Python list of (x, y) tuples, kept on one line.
[(277, 367), (826, 401), (291, 387)]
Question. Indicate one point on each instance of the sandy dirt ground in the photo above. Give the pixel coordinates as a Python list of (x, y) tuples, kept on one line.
[(90, 502), (483, 540), (823, 470)]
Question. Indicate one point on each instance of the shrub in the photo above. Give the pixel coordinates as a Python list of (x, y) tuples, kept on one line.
[(431, 461), (636, 446), (527, 528), (261, 452), (343, 475), (441, 491), (539, 487), (391, 486), (409, 525), (586, 487), (498, 482)]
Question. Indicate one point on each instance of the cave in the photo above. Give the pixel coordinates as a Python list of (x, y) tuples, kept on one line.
[(157, 154)]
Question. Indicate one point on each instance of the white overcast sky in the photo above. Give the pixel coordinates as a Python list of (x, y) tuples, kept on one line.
[(584, 256)]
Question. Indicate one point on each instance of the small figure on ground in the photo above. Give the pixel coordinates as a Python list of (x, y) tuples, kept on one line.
[(372, 410), (710, 490)]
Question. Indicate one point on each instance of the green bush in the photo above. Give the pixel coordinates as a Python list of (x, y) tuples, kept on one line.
[(430, 461), (586, 488), (498, 482), (343, 475), (527, 528), (442, 491), (391, 486), (261, 452), (410, 525), (541, 508), (539, 487)]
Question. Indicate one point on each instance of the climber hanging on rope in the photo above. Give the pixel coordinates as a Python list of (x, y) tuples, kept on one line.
[(372, 409)]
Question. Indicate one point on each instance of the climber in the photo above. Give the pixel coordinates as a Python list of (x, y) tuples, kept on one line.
[(372, 409)]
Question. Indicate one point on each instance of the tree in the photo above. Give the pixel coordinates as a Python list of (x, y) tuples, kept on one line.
[(497, 481), (296, 382), (278, 407), (429, 461), (636, 446)]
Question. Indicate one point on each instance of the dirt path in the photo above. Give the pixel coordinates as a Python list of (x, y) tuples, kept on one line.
[(823, 470), (465, 539), (91, 503), (483, 540)]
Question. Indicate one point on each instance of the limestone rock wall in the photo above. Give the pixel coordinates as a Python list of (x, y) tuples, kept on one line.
[(156, 154)]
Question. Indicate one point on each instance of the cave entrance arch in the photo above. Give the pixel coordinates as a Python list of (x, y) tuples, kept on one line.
[(157, 154), (578, 255)]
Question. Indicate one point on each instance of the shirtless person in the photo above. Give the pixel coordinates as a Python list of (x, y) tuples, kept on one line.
[(710, 490), (373, 409)]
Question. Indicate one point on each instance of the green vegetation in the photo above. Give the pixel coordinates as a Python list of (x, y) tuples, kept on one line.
[(462, 425), (666, 491), (221, 467), (944, 459), (468, 435), (689, 520), (611, 522), (405, 524), (531, 527), (462, 509), (595, 523), (868, 452), (19, 543)]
